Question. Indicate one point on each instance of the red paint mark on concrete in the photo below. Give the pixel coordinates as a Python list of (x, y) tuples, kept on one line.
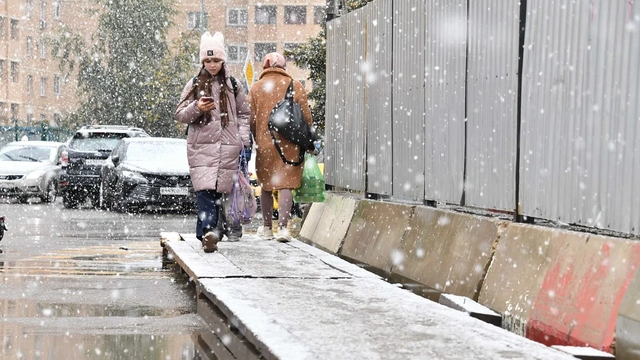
[(578, 302)]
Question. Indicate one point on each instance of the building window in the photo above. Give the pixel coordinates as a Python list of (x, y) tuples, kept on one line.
[(14, 72), (291, 47), (43, 118), (319, 14), (2, 71), (43, 49), (236, 53), (56, 10), (43, 86), (193, 20), (295, 15), (14, 29), (56, 85), (29, 119), (56, 119), (29, 46), (28, 7), (237, 17), (29, 84), (43, 12), (266, 15), (262, 49), (15, 108), (3, 33)]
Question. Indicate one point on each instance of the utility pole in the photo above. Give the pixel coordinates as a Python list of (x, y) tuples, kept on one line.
[(331, 10)]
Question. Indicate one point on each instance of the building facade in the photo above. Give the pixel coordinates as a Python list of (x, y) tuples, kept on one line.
[(34, 91)]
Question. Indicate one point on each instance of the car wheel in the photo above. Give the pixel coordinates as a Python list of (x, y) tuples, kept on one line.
[(50, 193), (119, 204), (69, 201), (23, 199), (95, 200)]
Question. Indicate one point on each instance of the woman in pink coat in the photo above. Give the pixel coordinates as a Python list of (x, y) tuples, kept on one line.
[(218, 123)]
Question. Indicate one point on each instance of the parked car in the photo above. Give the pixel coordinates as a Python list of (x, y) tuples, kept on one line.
[(30, 169), (86, 151), (142, 172), (3, 227)]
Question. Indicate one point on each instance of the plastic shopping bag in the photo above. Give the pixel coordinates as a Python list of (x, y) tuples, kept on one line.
[(242, 204), (312, 185)]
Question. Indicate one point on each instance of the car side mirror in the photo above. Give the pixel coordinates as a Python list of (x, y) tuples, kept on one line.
[(115, 159)]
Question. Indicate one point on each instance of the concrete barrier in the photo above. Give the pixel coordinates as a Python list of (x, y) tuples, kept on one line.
[(560, 287), (376, 232), (448, 251), (628, 323), (327, 223), (311, 220)]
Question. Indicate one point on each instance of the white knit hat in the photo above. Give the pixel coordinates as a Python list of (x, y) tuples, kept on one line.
[(212, 46)]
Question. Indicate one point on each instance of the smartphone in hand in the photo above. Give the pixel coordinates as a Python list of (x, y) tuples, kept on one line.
[(206, 98)]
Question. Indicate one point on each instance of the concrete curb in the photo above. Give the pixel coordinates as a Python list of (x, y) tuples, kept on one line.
[(448, 251), (560, 287), (292, 304), (375, 234), (327, 223), (557, 287), (628, 322)]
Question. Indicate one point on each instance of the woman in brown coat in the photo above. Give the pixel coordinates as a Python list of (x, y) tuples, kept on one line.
[(273, 173), (218, 120)]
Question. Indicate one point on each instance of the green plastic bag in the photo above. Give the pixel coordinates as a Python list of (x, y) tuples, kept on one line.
[(312, 185)]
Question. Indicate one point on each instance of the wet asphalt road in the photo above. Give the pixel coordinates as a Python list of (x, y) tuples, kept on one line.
[(90, 284)]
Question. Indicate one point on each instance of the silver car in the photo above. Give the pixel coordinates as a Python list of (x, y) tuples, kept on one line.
[(30, 169)]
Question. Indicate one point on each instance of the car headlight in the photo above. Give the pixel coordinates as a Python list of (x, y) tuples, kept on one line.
[(133, 175), (35, 174)]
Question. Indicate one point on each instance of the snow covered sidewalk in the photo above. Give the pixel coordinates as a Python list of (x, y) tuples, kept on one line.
[(293, 301)]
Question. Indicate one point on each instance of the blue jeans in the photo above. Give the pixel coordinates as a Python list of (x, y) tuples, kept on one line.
[(208, 202)]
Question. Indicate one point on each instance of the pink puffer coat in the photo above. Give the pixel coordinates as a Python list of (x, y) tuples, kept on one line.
[(213, 151)]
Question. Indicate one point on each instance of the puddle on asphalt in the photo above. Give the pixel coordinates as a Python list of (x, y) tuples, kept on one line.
[(59, 329), (109, 347)]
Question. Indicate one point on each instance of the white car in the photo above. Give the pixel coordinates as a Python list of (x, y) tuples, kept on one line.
[(30, 169)]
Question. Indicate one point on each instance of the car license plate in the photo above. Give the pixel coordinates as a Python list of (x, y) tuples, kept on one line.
[(94, 162), (174, 191)]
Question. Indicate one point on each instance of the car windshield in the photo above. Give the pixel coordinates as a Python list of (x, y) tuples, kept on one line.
[(26, 153), (95, 141), (170, 152)]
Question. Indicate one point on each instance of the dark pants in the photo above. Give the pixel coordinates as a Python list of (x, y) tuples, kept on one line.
[(209, 203)]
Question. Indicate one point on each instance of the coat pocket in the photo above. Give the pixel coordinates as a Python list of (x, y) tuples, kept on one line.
[(229, 156)]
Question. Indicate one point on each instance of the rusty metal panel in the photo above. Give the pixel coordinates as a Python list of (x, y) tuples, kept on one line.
[(408, 129), (445, 65), (491, 104), (376, 68), (580, 149)]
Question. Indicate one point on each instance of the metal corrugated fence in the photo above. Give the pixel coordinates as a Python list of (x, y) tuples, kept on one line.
[(445, 62), (492, 86), (408, 139), (378, 26), (579, 138)]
